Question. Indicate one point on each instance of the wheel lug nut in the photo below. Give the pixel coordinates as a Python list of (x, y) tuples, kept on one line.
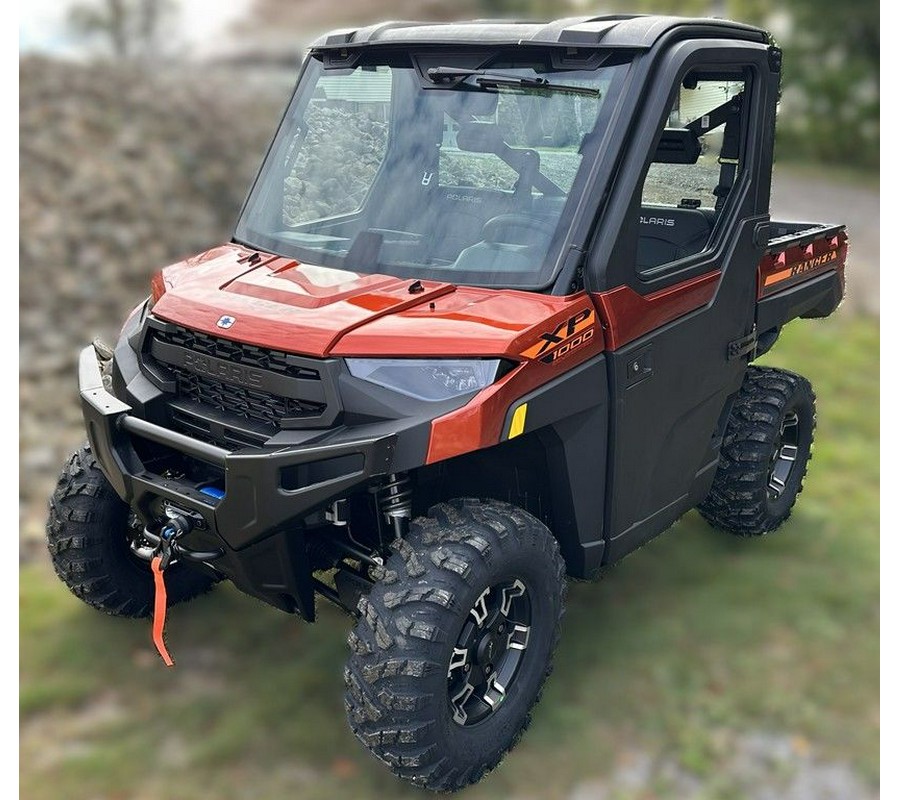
[(499, 629), (467, 668), (488, 669)]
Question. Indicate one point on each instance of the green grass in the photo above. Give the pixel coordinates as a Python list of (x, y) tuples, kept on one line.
[(694, 639)]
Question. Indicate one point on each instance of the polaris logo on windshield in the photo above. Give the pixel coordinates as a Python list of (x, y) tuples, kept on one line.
[(463, 198), (668, 222)]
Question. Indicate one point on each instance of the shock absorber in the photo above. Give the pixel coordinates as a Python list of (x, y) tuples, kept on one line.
[(395, 502)]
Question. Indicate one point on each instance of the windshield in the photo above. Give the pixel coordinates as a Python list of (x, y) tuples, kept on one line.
[(406, 166)]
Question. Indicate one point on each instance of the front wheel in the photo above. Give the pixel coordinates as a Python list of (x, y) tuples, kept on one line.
[(767, 445), (89, 535), (455, 641)]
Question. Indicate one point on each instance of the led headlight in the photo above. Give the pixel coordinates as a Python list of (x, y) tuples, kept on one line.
[(431, 379)]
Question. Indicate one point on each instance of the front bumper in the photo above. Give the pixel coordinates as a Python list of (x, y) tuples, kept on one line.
[(267, 490)]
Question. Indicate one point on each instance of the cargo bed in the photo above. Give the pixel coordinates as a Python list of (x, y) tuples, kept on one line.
[(787, 234), (800, 275)]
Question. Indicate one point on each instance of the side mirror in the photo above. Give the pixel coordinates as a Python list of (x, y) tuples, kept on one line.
[(677, 146)]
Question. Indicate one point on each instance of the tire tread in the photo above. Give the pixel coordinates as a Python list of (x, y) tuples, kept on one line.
[(737, 501), (400, 629), (84, 514)]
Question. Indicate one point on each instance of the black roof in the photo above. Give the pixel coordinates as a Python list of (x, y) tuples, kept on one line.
[(619, 30)]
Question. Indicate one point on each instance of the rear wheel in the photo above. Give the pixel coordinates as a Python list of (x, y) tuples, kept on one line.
[(455, 641), (767, 445), (90, 533)]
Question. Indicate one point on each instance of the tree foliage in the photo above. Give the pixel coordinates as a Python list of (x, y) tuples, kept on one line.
[(831, 102), (130, 28)]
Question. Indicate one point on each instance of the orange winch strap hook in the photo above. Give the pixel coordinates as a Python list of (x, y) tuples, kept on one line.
[(159, 610)]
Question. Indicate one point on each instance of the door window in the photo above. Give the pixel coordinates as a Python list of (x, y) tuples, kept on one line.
[(694, 168)]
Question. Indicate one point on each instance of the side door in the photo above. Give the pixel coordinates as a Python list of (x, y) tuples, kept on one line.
[(678, 295)]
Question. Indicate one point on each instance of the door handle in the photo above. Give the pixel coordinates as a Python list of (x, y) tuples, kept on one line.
[(639, 367)]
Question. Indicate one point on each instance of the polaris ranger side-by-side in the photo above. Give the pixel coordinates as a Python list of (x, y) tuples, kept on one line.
[(485, 322)]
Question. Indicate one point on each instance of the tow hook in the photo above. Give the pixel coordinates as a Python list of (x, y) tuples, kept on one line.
[(162, 558), (177, 525), (165, 550), (166, 541)]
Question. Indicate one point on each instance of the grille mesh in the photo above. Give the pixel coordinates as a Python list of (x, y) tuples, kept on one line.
[(246, 354), (247, 403), (262, 410)]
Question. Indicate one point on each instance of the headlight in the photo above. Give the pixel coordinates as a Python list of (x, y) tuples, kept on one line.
[(432, 379)]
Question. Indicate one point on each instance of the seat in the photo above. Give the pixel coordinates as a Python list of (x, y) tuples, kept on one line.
[(669, 233), (510, 243)]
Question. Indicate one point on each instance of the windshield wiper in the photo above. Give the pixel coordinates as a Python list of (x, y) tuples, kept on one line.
[(492, 81)]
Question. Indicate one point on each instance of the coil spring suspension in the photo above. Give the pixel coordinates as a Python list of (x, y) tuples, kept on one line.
[(395, 502)]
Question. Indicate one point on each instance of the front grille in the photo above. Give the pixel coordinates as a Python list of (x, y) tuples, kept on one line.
[(247, 355), (264, 407), (189, 419), (225, 412)]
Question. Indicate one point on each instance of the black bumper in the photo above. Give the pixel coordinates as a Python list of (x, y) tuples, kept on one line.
[(267, 491)]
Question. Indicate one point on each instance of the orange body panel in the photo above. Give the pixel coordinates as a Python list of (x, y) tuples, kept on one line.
[(480, 422), (628, 315), (299, 308), (794, 265), (284, 305)]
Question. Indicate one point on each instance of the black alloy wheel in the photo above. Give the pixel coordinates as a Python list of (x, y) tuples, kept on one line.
[(455, 641), (765, 452), (488, 652)]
